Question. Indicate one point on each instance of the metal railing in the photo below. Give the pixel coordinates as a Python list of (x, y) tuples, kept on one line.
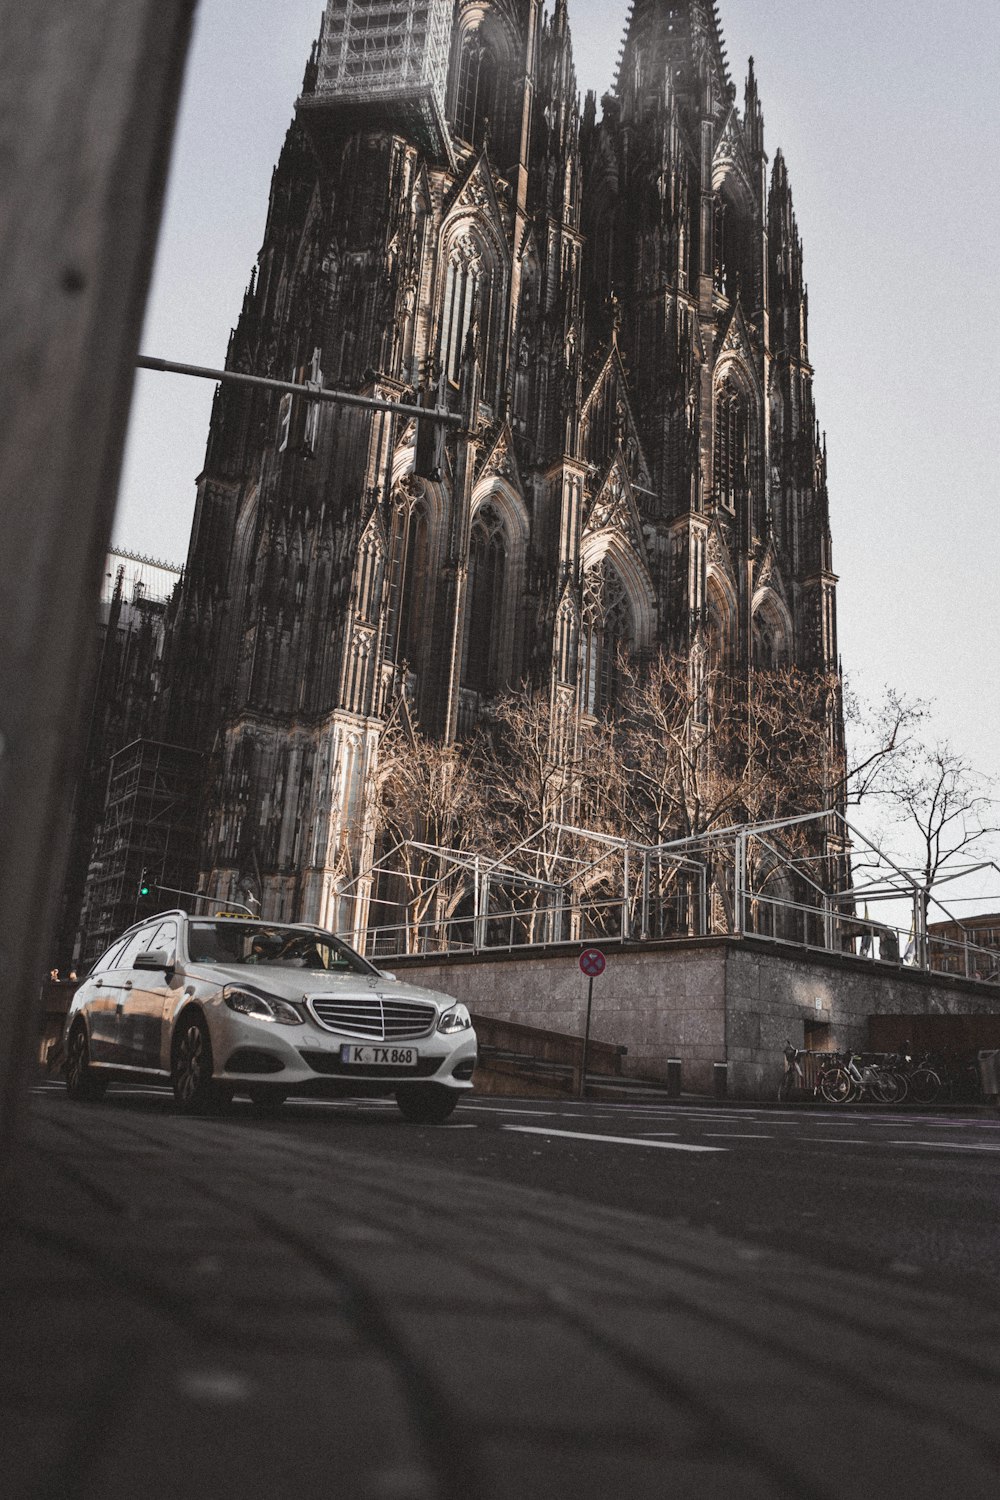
[(563, 884), (614, 919)]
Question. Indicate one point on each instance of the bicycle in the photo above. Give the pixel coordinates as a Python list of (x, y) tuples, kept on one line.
[(926, 1085), (793, 1079), (844, 1082)]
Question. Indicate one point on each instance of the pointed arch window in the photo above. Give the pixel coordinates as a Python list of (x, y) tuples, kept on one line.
[(608, 631), (717, 626), (476, 96), (370, 575), (733, 236), (462, 302), (732, 443), (409, 579), (771, 646), (484, 616)]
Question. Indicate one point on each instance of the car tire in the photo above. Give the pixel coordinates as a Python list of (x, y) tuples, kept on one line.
[(426, 1104), (267, 1101), (82, 1084), (191, 1066)]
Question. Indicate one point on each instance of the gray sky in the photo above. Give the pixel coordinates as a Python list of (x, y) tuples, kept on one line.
[(886, 113)]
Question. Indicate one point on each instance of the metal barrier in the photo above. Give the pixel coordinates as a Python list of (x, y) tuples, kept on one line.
[(563, 884)]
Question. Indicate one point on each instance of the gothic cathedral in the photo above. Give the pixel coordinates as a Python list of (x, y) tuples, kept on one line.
[(610, 308)]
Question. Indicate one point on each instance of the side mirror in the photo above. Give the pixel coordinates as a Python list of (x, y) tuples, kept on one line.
[(386, 975), (153, 958)]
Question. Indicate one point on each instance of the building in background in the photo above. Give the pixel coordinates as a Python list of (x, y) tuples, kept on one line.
[(135, 597), (970, 947), (616, 309)]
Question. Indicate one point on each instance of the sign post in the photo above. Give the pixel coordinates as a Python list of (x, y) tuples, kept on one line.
[(592, 963)]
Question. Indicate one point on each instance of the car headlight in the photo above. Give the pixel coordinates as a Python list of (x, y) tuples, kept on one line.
[(456, 1019), (261, 1007)]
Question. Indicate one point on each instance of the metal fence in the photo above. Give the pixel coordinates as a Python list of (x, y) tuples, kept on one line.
[(566, 885)]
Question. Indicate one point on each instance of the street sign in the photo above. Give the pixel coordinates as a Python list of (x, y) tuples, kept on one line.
[(593, 962)]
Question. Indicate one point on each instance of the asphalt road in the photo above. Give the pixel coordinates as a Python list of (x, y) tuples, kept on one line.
[(911, 1194), (534, 1299)]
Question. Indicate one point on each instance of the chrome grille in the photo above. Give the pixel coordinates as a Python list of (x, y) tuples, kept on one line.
[(373, 1016)]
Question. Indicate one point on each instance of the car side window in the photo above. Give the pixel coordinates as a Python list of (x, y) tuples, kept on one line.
[(107, 958), (164, 937), (137, 943)]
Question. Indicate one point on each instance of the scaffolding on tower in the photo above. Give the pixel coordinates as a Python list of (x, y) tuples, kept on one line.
[(391, 54)]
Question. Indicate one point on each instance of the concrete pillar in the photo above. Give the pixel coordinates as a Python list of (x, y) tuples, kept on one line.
[(88, 94)]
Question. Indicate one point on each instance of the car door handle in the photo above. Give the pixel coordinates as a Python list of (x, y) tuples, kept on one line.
[(127, 985)]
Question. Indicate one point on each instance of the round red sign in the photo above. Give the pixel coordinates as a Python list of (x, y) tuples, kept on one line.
[(593, 962)]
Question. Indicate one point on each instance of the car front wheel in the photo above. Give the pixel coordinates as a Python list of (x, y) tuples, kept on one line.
[(191, 1066), (426, 1104), (81, 1082)]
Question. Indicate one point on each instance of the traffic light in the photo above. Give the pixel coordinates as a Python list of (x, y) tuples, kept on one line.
[(145, 888)]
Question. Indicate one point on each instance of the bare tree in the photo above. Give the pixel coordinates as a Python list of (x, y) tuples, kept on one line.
[(693, 751), (428, 797), (688, 751), (532, 760), (883, 743), (538, 763), (948, 807)]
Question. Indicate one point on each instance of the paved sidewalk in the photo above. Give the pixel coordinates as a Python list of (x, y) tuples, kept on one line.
[(202, 1308)]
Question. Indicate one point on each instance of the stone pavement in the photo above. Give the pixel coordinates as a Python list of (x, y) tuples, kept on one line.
[(211, 1308)]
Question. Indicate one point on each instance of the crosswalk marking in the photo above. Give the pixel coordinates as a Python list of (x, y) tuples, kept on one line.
[(610, 1140)]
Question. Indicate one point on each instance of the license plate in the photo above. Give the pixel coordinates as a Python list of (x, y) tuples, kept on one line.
[(380, 1057)]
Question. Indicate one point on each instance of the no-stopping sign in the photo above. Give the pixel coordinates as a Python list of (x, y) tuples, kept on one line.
[(593, 962)]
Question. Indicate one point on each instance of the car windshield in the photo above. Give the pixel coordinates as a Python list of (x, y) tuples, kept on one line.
[(251, 942)]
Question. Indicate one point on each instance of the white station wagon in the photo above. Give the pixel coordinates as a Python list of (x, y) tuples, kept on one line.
[(215, 1006)]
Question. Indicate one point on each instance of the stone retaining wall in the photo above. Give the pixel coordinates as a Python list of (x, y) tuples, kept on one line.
[(704, 1001)]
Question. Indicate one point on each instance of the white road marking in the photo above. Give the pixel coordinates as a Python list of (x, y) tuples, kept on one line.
[(734, 1135), (837, 1140), (609, 1140), (947, 1145), (500, 1109), (577, 1114), (659, 1132)]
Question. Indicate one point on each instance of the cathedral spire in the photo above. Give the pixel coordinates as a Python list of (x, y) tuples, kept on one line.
[(676, 49), (753, 115), (788, 295)]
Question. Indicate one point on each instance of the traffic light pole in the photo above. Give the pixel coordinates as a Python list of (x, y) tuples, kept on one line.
[(306, 391)]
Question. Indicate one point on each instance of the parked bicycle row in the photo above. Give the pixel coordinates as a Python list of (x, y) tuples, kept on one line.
[(881, 1078)]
